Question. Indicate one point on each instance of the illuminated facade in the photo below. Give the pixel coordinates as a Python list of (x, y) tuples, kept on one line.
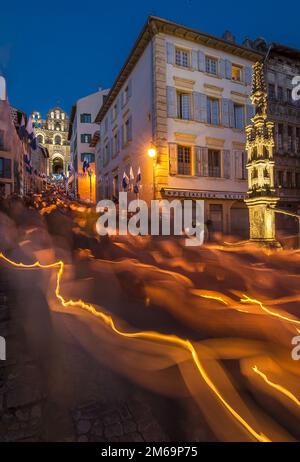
[(260, 144), (81, 132), (187, 94), (282, 64), (52, 133)]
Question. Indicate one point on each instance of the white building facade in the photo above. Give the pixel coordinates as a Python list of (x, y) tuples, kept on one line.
[(186, 94), (81, 131)]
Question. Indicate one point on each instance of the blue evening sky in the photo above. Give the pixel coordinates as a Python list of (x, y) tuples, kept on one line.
[(58, 51)]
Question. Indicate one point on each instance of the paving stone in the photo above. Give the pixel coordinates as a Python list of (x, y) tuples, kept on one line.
[(133, 438), (97, 429), (111, 418), (36, 411), (124, 412), (113, 430), (22, 415), (83, 439), (83, 426), (129, 426)]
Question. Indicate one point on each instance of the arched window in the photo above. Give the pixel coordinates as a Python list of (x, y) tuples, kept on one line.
[(57, 126), (40, 139), (57, 139)]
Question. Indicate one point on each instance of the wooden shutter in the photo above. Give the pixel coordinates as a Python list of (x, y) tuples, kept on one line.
[(203, 107), (231, 113), (122, 136), (222, 68), (130, 128), (228, 69), (171, 102), (248, 75), (170, 52), (225, 112), (204, 161), (226, 163), (201, 61), (173, 164), (197, 151), (196, 106), (238, 161), (194, 59)]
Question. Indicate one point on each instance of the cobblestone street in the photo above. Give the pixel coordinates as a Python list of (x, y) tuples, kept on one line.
[(84, 402)]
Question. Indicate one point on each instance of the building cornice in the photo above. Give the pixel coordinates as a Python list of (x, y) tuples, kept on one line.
[(156, 25)]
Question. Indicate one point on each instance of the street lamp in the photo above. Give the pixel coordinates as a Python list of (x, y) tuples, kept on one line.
[(152, 153)]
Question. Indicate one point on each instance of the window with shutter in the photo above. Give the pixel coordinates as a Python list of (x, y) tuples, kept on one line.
[(182, 57), (213, 111), (183, 106), (211, 65), (214, 163), (226, 164), (184, 160), (237, 73), (171, 102)]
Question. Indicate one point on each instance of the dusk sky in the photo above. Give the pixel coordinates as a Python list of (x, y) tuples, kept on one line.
[(56, 52)]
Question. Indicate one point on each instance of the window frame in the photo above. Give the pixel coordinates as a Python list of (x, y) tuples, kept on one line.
[(211, 169), (241, 69), (183, 150), (83, 116), (179, 51), (211, 59), (210, 112), (82, 135)]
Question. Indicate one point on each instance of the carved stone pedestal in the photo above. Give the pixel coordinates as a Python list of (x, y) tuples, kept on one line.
[(262, 220)]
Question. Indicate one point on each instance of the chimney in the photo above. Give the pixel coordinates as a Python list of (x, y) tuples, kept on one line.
[(228, 36)]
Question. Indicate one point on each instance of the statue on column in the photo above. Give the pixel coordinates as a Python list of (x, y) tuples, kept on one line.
[(262, 198)]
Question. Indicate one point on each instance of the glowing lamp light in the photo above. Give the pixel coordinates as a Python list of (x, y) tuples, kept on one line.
[(152, 152)]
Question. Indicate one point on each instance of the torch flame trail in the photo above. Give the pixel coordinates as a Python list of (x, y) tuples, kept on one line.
[(150, 335), (266, 310), (277, 387)]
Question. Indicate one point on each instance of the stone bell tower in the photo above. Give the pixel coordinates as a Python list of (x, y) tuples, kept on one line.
[(259, 146)]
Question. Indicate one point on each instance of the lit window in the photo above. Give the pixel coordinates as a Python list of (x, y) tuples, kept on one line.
[(184, 160), (90, 157), (236, 73), (211, 65), (182, 57)]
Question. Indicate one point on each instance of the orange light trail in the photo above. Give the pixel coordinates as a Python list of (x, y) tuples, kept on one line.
[(149, 335), (266, 310), (277, 387)]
